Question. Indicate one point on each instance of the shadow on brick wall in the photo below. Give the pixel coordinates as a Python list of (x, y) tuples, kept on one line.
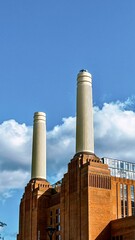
[(105, 234)]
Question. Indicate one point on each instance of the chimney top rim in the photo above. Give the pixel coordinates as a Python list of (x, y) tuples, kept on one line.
[(39, 114), (84, 73)]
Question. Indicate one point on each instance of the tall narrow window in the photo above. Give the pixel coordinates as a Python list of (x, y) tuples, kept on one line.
[(58, 222), (132, 200), (125, 200), (122, 200)]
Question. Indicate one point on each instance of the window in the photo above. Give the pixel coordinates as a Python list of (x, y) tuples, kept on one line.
[(58, 219), (124, 200), (121, 165), (122, 208), (38, 235), (58, 211), (50, 213), (132, 200), (133, 167), (127, 166), (57, 222), (122, 203), (58, 227), (126, 209), (58, 237)]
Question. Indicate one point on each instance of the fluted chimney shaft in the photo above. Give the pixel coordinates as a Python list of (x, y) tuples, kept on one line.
[(39, 146), (84, 116)]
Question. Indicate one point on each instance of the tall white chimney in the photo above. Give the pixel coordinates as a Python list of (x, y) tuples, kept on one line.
[(84, 116), (39, 146)]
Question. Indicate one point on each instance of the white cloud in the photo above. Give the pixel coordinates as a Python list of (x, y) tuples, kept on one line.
[(115, 131), (15, 144), (15, 156), (114, 127), (60, 146), (12, 180)]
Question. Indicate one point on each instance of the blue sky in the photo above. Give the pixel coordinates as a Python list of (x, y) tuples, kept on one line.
[(43, 45)]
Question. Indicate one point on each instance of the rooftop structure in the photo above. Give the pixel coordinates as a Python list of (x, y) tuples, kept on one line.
[(120, 168)]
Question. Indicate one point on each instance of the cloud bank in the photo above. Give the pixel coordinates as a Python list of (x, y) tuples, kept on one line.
[(114, 128), (15, 152)]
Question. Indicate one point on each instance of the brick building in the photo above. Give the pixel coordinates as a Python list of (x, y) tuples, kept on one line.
[(92, 201)]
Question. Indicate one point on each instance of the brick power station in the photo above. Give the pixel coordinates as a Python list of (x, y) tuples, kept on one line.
[(90, 202)]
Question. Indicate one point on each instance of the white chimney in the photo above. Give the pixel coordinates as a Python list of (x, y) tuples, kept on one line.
[(84, 116), (39, 146)]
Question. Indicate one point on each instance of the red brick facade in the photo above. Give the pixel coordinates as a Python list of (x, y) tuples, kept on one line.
[(85, 207)]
